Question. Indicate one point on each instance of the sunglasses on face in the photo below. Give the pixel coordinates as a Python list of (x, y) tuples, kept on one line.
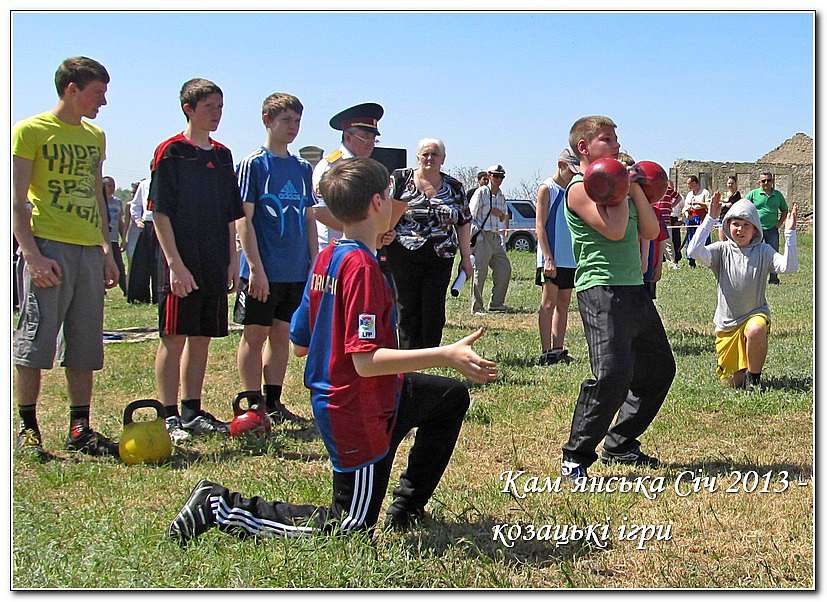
[(497, 176), (765, 181)]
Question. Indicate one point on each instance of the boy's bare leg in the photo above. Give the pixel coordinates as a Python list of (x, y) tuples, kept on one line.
[(27, 385), (545, 315), (560, 320), (79, 386), (168, 366), (275, 366), (756, 348), (249, 353), (194, 366), (276, 353)]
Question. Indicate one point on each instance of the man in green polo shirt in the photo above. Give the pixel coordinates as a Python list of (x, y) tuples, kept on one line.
[(772, 211)]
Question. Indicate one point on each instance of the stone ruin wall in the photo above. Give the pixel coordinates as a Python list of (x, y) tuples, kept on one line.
[(794, 180)]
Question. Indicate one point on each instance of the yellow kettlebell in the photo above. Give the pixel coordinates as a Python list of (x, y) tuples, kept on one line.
[(144, 441)]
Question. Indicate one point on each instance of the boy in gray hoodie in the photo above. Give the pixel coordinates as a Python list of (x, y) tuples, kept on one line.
[(741, 264)]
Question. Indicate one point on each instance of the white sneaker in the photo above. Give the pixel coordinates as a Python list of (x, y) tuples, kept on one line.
[(175, 429)]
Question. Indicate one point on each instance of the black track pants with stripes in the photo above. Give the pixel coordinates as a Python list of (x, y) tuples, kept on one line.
[(434, 405), (633, 368)]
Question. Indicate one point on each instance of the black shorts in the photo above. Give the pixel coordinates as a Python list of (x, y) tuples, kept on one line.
[(284, 298), (198, 314), (651, 288), (563, 278)]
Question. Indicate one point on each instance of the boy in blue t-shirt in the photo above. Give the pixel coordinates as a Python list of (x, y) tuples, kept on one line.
[(278, 241), (363, 403)]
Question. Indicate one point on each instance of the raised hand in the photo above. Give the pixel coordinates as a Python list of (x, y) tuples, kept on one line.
[(792, 218), (715, 206)]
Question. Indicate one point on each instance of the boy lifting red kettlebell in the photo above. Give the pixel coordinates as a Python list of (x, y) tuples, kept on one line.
[(630, 355)]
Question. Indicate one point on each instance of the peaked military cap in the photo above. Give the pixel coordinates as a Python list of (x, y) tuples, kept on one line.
[(365, 116)]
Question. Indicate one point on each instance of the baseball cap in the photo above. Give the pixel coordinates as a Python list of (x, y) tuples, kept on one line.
[(570, 159)]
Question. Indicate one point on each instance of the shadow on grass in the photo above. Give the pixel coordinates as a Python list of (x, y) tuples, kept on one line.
[(533, 361), (184, 458), (303, 457), (308, 433), (688, 341), (789, 383), (722, 467), (478, 540), (792, 333)]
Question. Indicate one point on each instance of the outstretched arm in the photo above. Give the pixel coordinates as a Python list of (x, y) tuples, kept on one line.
[(459, 356)]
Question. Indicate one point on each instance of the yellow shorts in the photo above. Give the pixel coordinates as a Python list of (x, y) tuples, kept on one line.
[(731, 347)]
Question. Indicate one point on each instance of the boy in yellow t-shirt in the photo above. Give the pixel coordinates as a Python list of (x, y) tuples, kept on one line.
[(60, 221)]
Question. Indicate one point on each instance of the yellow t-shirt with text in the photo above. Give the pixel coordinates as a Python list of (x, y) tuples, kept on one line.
[(65, 160)]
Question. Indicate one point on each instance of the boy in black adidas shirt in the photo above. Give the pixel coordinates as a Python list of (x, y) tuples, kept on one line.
[(195, 197)]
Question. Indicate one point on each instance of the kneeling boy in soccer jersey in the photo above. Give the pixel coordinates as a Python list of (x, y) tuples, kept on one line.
[(363, 404), (741, 264)]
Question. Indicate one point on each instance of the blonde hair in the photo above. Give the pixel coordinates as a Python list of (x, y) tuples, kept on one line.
[(586, 128)]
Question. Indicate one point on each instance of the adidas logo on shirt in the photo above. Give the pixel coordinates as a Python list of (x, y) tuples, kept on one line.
[(288, 192)]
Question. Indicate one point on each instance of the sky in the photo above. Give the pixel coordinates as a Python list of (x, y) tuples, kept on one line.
[(496, 87)]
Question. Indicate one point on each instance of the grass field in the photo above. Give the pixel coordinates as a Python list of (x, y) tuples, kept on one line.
[(87, 523)]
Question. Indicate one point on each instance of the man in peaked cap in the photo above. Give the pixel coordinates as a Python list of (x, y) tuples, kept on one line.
[(359, 127)]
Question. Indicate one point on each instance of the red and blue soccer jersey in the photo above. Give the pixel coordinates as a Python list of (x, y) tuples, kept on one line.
[(348, 307)]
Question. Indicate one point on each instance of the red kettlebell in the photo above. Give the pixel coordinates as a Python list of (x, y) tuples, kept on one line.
[(652, 179), (252, 420), (606, 181)]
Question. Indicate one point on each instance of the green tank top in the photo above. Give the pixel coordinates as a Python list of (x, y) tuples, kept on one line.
[(600, 261)]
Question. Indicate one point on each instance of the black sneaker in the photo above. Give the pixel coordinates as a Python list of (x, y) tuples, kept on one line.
[(402, 519), (573, 470), (279, 414), (87, 441), (554, 356), (204, 423), (30, 444), (499, 309), (196, 515), (634, 457)]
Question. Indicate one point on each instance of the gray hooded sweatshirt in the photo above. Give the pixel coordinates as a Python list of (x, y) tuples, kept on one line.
[(741, 271)]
